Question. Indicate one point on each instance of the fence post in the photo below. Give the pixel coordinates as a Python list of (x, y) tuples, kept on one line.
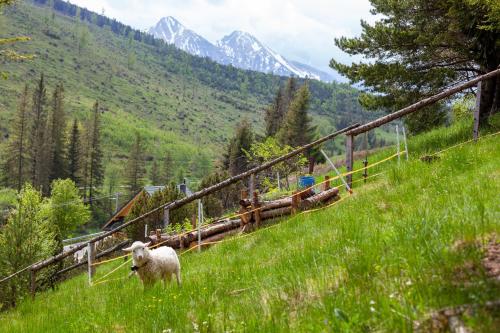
[(146, 230), (200, 214), (32, 282), (116, 202), (158, 235), (406, 143), (476, 112), (295, 202), (90, 260), (397, 142), (365, 171), (326, 185), (279, 183), (256, 205), (349, 151), (166, 218)]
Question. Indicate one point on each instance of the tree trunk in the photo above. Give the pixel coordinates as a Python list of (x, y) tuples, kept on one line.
[(312, 162), (490, 96)]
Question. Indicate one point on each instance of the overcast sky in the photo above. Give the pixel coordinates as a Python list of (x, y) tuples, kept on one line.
[(301, 30)]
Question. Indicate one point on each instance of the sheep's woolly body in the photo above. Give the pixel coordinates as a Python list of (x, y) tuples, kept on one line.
[(163, 262), (154, 265)]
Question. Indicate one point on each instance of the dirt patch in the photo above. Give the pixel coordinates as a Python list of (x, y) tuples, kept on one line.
[(491, 261)]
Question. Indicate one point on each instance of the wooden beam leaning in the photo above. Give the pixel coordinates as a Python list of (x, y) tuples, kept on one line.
[(197, 195), (425, 102), (349, 159)]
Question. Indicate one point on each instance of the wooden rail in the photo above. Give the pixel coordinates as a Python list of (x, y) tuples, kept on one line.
[(349, 146), (194, 196)]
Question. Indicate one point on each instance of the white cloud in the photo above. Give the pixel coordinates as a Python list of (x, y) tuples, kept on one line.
[(299, 30)]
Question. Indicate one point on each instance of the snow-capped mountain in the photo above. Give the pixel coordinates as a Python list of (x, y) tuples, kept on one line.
[(239, 49), (173, 32)]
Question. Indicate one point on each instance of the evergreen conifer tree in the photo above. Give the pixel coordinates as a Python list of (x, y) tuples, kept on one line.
[(74, 154), (135, 168), (15, 166)]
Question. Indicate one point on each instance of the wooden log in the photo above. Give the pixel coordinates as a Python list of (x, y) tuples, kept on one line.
[(278, 212), (158, 233), (268, 205), (185, 240), (216, 238), (421, 104), (326, 184), (319, 198), (255, 208), (295, 202), (197, 195), (245, 205)]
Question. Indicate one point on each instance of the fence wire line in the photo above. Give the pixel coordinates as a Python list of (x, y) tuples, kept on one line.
[(100, 280), (260, 208)]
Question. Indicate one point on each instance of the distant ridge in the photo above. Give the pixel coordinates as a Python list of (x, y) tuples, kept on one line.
[(239, 49)]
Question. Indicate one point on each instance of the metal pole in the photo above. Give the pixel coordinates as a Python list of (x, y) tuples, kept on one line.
[(90, 260), (146, 230), (336, 171), (406, 144), (200, 216), (116, 202), (166, 218), (397, 141)]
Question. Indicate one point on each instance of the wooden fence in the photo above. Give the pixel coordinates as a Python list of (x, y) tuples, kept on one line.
[(350, 132)]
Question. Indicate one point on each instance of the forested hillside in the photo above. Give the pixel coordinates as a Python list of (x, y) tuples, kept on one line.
[(181, 104)]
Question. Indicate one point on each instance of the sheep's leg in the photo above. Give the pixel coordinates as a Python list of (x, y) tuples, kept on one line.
[(178, 276), (166, 279)]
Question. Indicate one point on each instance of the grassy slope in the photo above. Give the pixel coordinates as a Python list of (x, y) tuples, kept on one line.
[(391, 247)]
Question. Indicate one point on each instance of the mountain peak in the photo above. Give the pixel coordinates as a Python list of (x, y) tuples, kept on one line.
[(239, 49)]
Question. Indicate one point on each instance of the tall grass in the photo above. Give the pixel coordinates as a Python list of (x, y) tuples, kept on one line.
[(398, 248)]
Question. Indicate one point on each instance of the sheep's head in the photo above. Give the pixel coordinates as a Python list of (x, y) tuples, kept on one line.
[(140, 252)]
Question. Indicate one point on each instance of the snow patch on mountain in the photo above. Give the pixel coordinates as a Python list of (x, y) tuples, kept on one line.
[(239, 49)]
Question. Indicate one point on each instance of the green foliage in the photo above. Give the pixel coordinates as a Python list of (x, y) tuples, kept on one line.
[(65, 210), (419, 47), (297, 129), (144, 203), (26, 238), (236, 160), (214, 205), (462, 109), (270, 149), (135, 171)]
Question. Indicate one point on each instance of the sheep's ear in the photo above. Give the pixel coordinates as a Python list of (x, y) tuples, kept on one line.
[(128, 249), (147, 244)]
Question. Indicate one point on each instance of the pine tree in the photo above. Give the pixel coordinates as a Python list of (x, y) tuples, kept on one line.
[(58, 169), (95, 167), (275, 114), (74, 153), (297, 130), (135, 168), (37, 154), (418, 47), (289, 94), (167, 172), (236, 160), (155, 173), (16, 163)]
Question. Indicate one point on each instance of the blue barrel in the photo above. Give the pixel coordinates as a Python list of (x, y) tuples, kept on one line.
[(306, 181)]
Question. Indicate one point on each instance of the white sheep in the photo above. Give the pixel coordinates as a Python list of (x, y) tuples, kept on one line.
[(156, 264)]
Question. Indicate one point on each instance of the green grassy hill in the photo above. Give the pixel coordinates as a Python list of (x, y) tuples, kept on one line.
[(407, 243), (179, 103)]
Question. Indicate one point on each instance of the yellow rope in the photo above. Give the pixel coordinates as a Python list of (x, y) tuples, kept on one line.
[(112, 271), (463, 143)]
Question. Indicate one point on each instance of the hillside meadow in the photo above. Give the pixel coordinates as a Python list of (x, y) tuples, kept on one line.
[(407, 243)]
